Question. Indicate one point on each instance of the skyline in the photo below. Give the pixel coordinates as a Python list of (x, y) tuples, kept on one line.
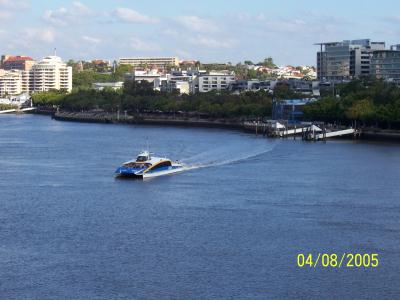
[(230, 32)]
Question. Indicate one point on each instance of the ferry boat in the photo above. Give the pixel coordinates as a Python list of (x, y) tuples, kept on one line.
[(147, 166)]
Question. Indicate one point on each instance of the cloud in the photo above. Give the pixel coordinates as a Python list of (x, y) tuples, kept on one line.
[(138, 44), (210, 42), (5, 16), (91, 39), (67, 16), (45, 35), (198, 24), (132, 16), (14, 4), (79, 8)]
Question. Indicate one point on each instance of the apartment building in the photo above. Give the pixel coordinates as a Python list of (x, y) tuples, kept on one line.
[(23, 63), (157, 62), (148, 75), (347, 59), (51, 74), (10, 83), (385, 64), (214, 81)]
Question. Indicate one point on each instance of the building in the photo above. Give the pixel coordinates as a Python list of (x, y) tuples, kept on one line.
[(252, 85), (189, 63), (181, 81), (23, 63), (149, 76), (214, 81), (101, 63), (51, 73), (27, 82), (290, 110), (385, 64), (183, 87), (157, 62), (10, 83), (346, 60), (99, 86), (22, 100)]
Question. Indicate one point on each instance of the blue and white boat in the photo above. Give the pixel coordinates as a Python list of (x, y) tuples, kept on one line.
[(147, 166)]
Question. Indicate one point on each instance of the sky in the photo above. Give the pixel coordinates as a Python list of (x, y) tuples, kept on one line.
[(205, 30)]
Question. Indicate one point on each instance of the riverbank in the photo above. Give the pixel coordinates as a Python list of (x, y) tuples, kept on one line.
[(154, 119), (150, 119)]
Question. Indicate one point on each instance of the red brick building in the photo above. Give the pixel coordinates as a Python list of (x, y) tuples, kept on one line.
[(23, 63)]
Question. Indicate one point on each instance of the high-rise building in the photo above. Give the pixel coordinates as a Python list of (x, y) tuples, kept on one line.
[(346, 60), (10, 83), (158, 62), (51, 74), (385, 64)]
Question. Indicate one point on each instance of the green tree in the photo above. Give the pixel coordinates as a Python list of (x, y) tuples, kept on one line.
[(363, 110), (268, 62)]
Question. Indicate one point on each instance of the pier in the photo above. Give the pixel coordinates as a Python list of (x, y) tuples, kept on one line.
[(308, 132), (17, 110)]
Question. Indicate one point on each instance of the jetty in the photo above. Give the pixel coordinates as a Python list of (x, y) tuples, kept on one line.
[(17, 110), (308, 131)]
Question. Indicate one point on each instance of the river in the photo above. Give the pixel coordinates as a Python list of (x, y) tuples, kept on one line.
[(230, 228)]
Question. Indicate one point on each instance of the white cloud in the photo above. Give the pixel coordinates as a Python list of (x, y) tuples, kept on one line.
[(132, 16), (67, 16), (141, 45), (5, 16), (91, 39), (211, 42), (79, 8), (45, 35), (14, 4), (198, 24)]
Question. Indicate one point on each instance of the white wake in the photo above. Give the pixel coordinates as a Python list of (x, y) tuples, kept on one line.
[(228, 154)]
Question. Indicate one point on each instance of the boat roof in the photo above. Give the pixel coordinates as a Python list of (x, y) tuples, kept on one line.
[(152, 159)]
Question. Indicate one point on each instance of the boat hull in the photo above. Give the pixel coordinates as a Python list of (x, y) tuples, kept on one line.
[(141, 174), (170, 171)]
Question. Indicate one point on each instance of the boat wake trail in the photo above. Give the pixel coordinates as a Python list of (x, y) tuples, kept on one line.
[(228, 154)]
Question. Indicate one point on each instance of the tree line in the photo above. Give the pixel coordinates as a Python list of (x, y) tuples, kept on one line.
[(370, 102), (140, 97)]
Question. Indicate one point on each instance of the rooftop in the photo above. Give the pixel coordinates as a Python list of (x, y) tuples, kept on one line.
[(19, 58)]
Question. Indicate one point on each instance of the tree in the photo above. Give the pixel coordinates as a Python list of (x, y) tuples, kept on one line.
[(363, 110), (142, 88), (268, 63)]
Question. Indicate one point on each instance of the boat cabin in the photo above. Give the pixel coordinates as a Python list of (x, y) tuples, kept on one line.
[(144, 156)]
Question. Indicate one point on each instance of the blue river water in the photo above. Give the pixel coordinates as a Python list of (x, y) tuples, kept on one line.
[(230, 228)]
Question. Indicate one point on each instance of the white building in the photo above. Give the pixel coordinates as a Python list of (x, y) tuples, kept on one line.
[(149, 76), (10, 83), (159, 62), (214, 81), (20, 100), (183, 87), (99, 86), (182, 81), (51, 74)]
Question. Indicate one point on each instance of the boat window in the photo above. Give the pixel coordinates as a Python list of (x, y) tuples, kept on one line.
[(136, 165), (141, 158), (162, 165)]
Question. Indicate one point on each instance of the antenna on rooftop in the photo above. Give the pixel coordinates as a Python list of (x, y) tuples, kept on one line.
[(55, 51)]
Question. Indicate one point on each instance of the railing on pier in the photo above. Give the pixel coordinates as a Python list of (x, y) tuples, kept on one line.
[(308, 132), (9, 111)]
